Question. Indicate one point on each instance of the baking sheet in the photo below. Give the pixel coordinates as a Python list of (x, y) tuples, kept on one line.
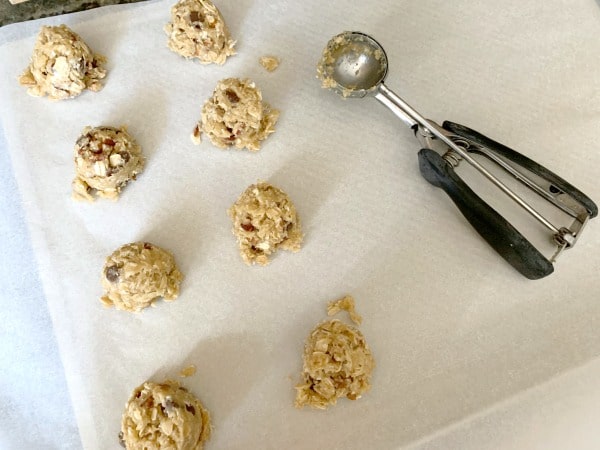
[(453, 328)]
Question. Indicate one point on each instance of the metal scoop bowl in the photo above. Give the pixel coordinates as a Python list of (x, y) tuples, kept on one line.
[(355, 64)]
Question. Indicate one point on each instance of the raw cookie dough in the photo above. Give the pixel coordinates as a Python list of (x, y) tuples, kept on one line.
[(106, 159), (265, 220), (235, 116), (137, 274), (344, 304), (197, 30), (187, 371), (62, 65), (270, 63), (164, 416), (337, 362)]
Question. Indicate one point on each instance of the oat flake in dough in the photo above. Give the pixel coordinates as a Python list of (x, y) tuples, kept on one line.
[(197, 30), (270, 63), (164, 416), (62, 65), (106, 159), (236, 116), (136, 275), (337, 362), (264, 221)]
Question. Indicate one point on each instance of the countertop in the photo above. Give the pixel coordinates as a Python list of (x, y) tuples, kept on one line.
[(36, 9)]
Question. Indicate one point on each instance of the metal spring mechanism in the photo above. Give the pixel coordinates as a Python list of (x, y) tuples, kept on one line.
[(452, 157)]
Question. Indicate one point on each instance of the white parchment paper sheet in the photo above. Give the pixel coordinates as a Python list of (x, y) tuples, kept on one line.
[(453, 328)]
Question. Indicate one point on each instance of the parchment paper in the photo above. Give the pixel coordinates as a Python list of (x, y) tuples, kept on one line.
[(453, 328)]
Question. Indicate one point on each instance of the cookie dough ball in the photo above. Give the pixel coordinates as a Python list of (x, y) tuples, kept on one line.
[(337, 363), (265, 220), (106, 159), (164, 416), (235, 116), (197, 30), (138, 274), (62, 65)]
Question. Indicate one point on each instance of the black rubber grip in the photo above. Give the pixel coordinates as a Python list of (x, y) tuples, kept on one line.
[(496, 230), (525, 162)]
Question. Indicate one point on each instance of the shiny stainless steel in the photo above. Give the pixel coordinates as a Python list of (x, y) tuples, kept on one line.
[(358, 73), (392, 101), (360, 64), (536, 183), (567, 237)]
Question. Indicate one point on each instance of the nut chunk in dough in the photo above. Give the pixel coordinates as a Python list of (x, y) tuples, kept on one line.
[(236, 116), (337, 362), (164, 416), (265, 220), (62, 65), (106, 159), (197, 30), (138, 274)]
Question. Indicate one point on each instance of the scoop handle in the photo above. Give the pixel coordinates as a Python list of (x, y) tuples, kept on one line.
[(524, 162), (491, 226)]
